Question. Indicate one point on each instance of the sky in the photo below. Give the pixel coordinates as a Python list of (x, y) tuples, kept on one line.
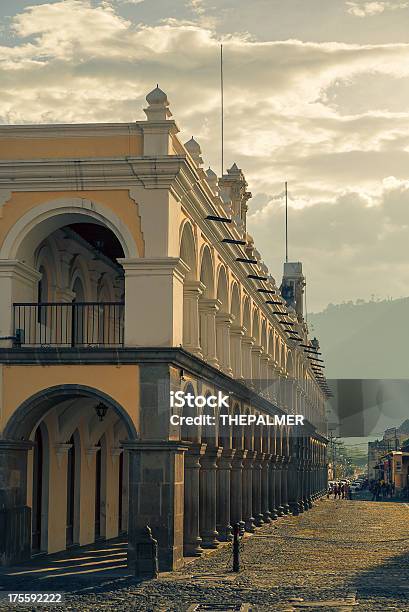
[(316, 94)]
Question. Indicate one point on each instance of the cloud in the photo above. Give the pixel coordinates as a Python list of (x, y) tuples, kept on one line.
[(346, 242), (369, 9), (294, 110)]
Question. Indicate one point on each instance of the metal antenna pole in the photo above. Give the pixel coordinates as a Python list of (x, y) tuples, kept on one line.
[(286, 223), (222, 105)]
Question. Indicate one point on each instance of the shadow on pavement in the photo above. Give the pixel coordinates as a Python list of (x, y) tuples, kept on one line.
[(76, 569)]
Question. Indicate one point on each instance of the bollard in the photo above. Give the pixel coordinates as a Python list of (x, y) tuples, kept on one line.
[(236, 548), (146, 556)]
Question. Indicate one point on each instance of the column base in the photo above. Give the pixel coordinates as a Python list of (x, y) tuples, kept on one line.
[(193, 549), (267, 516), (300, 507), (305, 504), (225, 533), (286, 509), (294, 509), (280, 511), (274, 514), (210, 540), (259, 520), (242, 527), (250, 525)]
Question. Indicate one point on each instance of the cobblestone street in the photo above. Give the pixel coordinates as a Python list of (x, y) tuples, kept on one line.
[(340, 555)]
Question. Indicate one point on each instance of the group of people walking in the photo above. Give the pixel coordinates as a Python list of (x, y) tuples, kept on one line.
[(381, 489), (340, 490)]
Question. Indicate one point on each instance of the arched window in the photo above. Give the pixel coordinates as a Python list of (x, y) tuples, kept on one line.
[(43, 289)]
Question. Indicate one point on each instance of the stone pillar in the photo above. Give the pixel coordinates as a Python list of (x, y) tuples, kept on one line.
[(18, 283), (278, 489), (256, 353), (272, 488), (191, 526), (248, 491), (265, 489), (223, 511), (293, 481), (208, 309), (284, 482), (154, 301), (192, 290), (246, 345), (264, 374), (257, 512), (15, 515), (156, 471), (208, 491), (236, 355), (236, 488), (223, 323)]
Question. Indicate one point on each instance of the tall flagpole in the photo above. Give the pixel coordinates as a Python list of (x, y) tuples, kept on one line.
[(286, 223), (222, 107)]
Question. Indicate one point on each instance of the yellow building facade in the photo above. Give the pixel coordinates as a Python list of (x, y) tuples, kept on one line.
[(126, 272)]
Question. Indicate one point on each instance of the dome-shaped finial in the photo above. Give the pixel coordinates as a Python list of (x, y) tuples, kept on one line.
[(158, 108), (212, 179), (193, 147)]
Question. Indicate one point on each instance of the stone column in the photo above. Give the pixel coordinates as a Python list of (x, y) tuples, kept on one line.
[(256, 353), (18, 283), (264, 374), (248, 491), (272, 382), (265, 489), (223, 323), (257, 468), (15, 515), (293, 481), (223, 511), (278, 489), (247, 344), (192, 290), (154, 301), (208, 309), (191, 526), (156, 471), (236, 354), (272, 488), (236, 488), (208, 492), (284, 485)]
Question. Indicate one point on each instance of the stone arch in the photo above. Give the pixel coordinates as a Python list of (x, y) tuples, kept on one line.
[(42, 220), (237, 430), (223, 289), (255, 328), (189, 433), (207, 272), (247, 315), (235, 303), (263, 335), (32, 410), (188, 251)]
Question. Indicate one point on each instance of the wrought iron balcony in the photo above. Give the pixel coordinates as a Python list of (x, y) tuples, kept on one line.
[(71, 324)]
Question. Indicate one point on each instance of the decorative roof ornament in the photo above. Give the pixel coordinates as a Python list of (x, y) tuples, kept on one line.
[(212, 179), (194, 150), (158, 105)]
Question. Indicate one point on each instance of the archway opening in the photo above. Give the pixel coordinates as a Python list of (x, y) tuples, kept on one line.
[(87, 495), (76, 290)]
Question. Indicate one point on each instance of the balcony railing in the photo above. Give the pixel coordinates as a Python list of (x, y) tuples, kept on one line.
[(76, 324)]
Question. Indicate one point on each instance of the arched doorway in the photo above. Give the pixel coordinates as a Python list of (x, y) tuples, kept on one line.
[(84, 491)]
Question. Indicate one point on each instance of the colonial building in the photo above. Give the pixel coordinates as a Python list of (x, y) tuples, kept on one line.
[(126, 272)]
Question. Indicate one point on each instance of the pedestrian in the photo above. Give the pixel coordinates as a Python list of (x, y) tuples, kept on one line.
[(343, 490), (392, 489), (336, 490)]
